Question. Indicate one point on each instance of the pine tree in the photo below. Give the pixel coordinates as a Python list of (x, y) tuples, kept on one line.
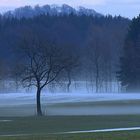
[(129, 73)]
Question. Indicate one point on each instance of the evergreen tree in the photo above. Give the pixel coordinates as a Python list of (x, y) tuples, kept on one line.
[(129, 75)]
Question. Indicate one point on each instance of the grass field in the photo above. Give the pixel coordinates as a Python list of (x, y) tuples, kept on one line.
[(42, 128), (134, 135), (47, 128)]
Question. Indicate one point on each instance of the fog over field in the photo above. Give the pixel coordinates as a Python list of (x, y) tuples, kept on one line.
[(24, 104)]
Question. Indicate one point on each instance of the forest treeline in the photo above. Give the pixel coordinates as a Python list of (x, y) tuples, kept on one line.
[(129, 72), (88, 49)]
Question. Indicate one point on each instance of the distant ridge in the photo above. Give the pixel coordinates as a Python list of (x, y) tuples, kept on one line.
[(53, 10)]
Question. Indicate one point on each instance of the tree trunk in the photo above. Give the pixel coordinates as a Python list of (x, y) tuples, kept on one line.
[(39, 111), (97, 76), (69, 82)]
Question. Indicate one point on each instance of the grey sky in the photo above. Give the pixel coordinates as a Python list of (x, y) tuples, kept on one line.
[(127, 8)]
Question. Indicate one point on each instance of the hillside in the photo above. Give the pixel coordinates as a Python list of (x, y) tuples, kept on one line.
[(82, 35)]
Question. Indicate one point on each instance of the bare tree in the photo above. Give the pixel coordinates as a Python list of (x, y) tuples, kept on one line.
[(72, 65), (96, 62), (15, 73), (42, 62), (99, 54), (4, 74), (95, 55)]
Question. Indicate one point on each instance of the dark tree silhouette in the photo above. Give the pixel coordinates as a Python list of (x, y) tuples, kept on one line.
[(42, 63), (129, 73), (73, 64), (95, 54)]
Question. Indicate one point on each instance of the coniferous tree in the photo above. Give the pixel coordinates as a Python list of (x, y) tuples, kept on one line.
[(129, 75)]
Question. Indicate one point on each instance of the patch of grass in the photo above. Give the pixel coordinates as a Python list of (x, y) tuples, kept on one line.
[(133, 135), (46, 125), (98, 103)]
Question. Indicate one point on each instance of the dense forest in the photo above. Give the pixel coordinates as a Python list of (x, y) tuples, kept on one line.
[(89, 44), (129, 73)]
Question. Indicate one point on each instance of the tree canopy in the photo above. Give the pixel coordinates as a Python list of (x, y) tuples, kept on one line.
[(129, 75)]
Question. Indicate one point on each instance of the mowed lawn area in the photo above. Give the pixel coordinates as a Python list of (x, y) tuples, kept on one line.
[(134, 135), (47, 128)]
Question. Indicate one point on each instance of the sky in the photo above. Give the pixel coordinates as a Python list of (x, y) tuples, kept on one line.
[(126, 8)]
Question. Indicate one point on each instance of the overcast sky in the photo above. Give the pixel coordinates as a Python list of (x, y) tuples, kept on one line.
[(127, 8)]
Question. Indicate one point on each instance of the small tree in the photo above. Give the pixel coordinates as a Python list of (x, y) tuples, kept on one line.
[(72, 65), (73, 62), (3, 74), (42, 63), (95, 55)]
